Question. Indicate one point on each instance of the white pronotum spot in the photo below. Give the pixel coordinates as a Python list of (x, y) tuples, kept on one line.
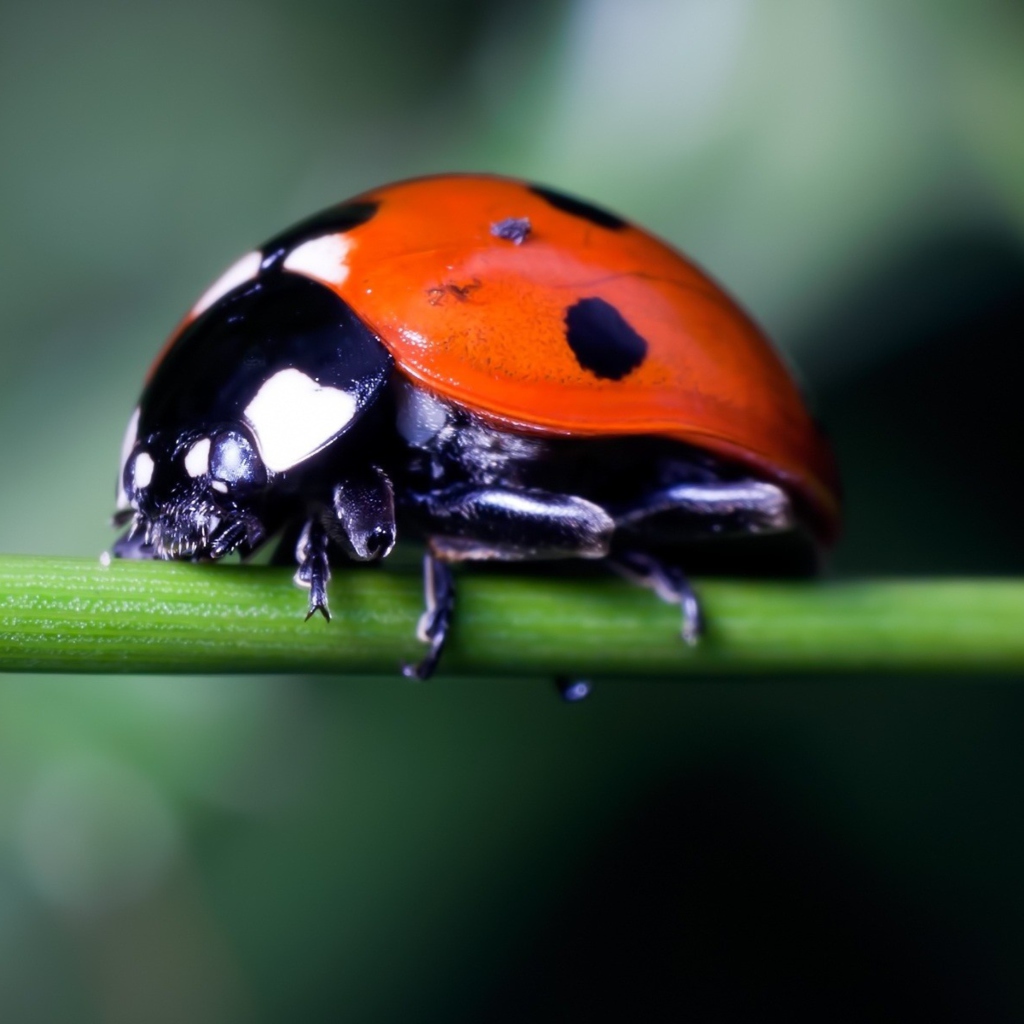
[(323, 259), (293, 417), (238, 273), (197, 461), (131, 435)]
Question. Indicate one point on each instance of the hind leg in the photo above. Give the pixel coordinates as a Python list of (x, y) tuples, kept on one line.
[(688, 512), (669, 582), (691, 511)]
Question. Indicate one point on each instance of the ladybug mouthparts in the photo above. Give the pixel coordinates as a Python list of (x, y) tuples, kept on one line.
[(194, 528)]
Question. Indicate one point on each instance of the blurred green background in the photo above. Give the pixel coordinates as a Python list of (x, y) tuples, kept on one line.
[(474, 850)]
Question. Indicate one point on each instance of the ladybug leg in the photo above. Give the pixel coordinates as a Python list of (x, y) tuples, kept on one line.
[(314, 569), (362, 516), (668, 582), (469, 523), (689, 511), (439, 592), (360, 520), (132, 544)]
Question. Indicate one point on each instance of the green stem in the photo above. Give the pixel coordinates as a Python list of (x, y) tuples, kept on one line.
[(75, 615)]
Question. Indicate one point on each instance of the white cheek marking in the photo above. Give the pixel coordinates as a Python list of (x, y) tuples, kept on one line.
[(293, 417), (197, 461), (421, 417), (238, 273), (219, 486), (144, 467), (127, 444), (323, 259)]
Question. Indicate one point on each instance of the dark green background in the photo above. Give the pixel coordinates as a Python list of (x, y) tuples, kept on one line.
[(368, 850)]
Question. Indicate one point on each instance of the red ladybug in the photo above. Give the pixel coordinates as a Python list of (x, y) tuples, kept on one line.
[(501, 370)]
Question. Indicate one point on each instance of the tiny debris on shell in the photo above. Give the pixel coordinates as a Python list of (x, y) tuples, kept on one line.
[(512, 229)]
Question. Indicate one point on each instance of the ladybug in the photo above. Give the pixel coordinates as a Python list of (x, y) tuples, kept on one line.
[(501, 370)]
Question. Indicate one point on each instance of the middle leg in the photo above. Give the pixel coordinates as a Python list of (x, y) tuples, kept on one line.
[(468, 523)]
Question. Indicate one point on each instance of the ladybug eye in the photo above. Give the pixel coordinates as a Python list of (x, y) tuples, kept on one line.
[(233, 461)]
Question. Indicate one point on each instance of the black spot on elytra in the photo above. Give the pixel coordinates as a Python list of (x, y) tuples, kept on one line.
[(602, 341), (512, 229), (332, 221), (579, 208)]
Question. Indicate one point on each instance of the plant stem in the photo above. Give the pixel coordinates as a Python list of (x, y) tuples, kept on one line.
[(75, 615)]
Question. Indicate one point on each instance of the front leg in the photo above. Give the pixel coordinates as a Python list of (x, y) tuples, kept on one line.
[(360, 520), (132, 543), (362, 515), (314, 568)]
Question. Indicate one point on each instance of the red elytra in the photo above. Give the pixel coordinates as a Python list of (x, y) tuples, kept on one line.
[(481, 320)]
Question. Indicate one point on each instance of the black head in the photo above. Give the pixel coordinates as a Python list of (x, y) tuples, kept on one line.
[(195, 494), (265, 378)]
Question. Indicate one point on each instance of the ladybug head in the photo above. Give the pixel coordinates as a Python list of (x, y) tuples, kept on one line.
[(195, 494)]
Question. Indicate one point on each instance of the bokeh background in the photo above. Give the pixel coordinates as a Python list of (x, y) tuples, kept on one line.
[(474, 850)]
